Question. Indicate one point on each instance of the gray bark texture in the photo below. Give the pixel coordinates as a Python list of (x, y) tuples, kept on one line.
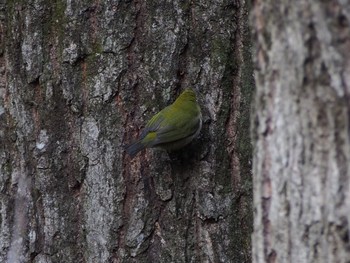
[(78, 81), (301, 131)]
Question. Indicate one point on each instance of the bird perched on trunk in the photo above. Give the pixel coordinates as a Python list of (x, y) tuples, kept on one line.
[(173, 127)]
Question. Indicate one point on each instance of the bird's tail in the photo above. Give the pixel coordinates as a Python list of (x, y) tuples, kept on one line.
[(133, 148)]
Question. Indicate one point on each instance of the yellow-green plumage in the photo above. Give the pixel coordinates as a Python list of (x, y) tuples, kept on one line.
[(173, 127)]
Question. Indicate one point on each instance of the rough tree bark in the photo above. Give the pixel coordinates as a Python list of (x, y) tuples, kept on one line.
[(78, 81), (302, 131)]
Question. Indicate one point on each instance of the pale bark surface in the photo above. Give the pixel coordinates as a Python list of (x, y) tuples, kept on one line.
[(78, 81), (301, 131)]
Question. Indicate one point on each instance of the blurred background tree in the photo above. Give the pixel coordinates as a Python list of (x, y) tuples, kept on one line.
[(301, 131)]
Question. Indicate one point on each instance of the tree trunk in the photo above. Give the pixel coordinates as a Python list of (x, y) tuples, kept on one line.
[(79, 79), (302, 131)]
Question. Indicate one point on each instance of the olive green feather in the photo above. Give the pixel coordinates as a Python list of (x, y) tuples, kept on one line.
[(171, 128)]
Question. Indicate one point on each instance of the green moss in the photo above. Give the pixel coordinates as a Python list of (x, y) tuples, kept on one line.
[(219, 51), (223, 171), (58, 8), (97, 47), (55, 27), (243, 205), (186, 5), (7, 168), (244, 144), (92, 62), (12, 14), (59, 19)]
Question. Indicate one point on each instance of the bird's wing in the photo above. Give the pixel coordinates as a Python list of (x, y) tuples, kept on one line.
[(178, 129), (154, 124), (170, 126)]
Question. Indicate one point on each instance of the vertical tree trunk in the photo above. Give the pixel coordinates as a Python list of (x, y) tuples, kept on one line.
[(301, 129), (79, 79)]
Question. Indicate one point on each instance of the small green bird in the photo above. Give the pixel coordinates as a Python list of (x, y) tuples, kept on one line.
[(173, 127)]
